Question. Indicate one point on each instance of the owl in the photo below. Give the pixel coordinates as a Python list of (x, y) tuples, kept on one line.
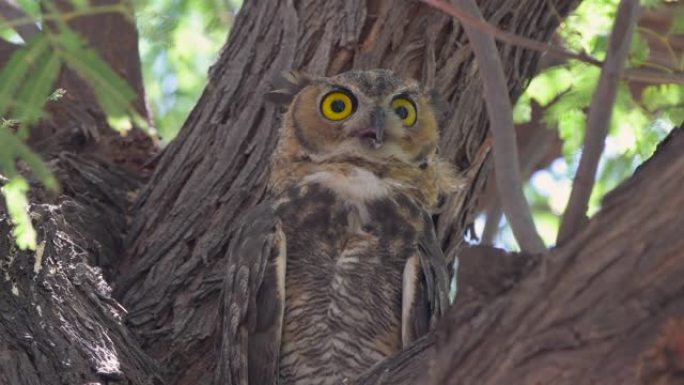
[(340, 267)]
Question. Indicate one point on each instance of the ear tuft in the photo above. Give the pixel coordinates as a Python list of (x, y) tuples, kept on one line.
[(286, 85)]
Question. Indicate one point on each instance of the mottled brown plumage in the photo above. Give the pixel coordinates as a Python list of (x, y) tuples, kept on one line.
[(340, 268)]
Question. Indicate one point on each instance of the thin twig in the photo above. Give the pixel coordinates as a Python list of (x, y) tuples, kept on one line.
[(10, 11), (68, 15), (521, 41), (598, 119), (499, 110)]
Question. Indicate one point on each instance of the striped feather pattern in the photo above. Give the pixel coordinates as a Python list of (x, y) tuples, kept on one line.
[(343, 307)]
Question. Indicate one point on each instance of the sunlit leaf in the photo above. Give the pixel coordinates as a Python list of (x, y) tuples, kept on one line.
[(31, 7), (571, 126), (522, 111), (57, 94), (549, 84), (17, 206), (663, 96)]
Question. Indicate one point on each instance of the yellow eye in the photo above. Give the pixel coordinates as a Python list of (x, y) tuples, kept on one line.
[(405, 110), (337, 105)]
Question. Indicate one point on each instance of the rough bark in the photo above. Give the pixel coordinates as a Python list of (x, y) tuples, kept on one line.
[(217, 166), (610, 309), (59, 323)]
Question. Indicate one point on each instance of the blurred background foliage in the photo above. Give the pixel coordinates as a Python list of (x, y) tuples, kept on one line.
[(180, 39), (642, 116)]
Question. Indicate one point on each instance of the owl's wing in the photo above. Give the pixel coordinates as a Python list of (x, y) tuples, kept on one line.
[(253, 301), (425, 296)]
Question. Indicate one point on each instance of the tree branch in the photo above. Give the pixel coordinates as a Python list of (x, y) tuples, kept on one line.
[(533, 154), (598, 119), (491, 227), (10, 12), (508, 179), (636, 74)]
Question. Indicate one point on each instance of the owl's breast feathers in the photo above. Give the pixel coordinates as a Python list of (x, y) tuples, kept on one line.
[(340, 269), (349, 237)]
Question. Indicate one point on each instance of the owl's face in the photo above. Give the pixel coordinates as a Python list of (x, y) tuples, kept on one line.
[(365, 113), (372, 117)]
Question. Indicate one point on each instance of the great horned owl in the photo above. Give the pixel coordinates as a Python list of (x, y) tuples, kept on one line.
[(340, 267)]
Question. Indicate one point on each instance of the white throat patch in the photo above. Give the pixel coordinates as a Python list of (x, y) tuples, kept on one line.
[(360, 185)]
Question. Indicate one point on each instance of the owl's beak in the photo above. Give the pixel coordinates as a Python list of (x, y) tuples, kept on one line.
[(377, 119), (374, 131)]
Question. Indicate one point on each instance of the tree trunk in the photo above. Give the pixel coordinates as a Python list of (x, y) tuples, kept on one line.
[(216, 169), (609, 310)]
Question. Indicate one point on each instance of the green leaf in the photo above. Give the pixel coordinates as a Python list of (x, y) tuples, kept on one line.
[(522, 111), (571, 127), (17, 206), (16, 70), (36, 91), (639, 49), (12, 148), (677, 26), (663, 96), (549, 84), (31, 7)]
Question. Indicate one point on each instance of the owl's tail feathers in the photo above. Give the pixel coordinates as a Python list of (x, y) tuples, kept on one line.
[(286, 85)]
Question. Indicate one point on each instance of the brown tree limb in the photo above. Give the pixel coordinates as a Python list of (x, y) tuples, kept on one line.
[(636, 74), (10, 12), (499, 110), (598, 119), (609, 313)]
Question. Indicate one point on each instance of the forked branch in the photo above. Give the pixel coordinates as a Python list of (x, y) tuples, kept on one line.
[(598, 119), (635, 74)]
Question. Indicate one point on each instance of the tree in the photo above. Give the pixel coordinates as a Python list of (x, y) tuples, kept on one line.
[(161, 243)]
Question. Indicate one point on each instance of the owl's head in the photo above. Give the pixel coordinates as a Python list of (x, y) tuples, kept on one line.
[(374, 119)]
